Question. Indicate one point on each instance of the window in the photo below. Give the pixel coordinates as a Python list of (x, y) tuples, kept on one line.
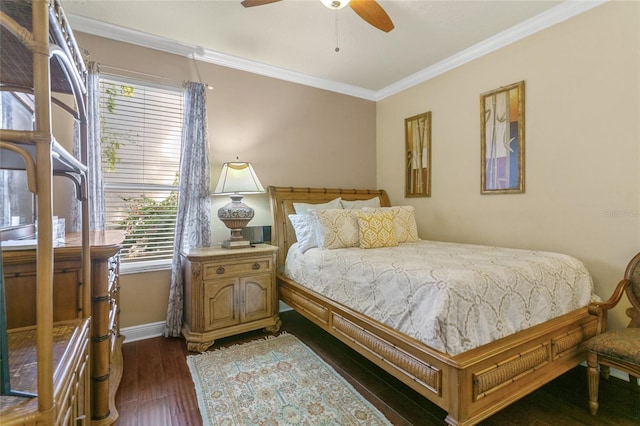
[(18, 204), (141, 132)]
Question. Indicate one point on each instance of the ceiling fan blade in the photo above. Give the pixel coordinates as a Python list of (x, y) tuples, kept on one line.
[(373, 13), (251, 3)]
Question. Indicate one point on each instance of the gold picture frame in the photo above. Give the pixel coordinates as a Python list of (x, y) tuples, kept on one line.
[(502, 140), (417, 131)]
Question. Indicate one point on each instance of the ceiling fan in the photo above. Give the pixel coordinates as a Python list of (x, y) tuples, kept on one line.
[(369, 10)]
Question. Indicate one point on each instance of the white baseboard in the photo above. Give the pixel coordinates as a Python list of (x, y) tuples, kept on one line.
[(156, 329), (143, 331), (283, 306), (619, 374), (612, 372)]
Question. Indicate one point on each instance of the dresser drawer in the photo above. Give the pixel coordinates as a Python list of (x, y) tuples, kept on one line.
[(215, 270)]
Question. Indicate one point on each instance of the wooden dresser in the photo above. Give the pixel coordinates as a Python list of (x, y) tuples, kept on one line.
[(106, 357), (227, 292)]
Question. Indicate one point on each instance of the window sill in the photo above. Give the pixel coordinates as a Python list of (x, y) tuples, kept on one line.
[(142, 267)]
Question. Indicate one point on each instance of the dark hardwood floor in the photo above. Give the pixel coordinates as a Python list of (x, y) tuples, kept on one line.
[(156, 387)]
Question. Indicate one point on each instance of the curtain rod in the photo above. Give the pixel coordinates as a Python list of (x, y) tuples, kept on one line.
[(179, 83)]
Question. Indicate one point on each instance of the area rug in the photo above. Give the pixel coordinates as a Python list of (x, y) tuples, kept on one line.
[(275, 381)]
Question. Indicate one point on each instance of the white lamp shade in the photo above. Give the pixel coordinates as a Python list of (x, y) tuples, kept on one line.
[(238, 178)]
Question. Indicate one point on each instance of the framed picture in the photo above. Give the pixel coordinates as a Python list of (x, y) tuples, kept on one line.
[(502, 140), (417, 131)]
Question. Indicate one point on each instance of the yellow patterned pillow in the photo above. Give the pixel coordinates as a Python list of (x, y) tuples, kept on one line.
[(377, 229), (336, 228), (405, 221)]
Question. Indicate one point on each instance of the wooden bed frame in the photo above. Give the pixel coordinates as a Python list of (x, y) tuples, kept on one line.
[(470, 386)]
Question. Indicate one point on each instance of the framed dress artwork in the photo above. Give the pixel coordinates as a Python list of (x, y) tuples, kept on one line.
[(418, 155), (502, 140)]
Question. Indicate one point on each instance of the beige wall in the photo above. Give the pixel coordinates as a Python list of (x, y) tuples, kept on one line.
[(582, 145), (294, 135), (143, 298)]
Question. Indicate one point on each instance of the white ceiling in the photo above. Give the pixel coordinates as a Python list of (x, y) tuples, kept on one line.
[(296, 39)]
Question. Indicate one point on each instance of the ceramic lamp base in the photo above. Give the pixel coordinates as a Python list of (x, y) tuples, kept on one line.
[(230, 244), (235, 215)]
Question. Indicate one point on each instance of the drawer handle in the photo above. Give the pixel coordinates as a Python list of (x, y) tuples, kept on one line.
[(256, 266), (220, 270)]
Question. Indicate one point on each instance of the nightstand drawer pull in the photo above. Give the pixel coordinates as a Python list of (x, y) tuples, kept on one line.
[(255, 266), (220, 270)]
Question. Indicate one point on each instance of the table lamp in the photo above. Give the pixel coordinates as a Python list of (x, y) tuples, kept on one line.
[(237, 178)]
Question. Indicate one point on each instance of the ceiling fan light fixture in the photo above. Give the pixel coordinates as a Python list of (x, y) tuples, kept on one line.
[(335, 4)]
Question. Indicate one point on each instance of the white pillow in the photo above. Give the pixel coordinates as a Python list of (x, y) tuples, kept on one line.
[(305, 229), (358, 204), (304, 208), (337, 228)]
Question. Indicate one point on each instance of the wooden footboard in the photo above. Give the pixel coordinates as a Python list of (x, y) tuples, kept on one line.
[(470, 386)]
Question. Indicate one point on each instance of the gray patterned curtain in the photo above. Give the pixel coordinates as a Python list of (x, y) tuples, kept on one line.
[(193, 221), (95, 188)]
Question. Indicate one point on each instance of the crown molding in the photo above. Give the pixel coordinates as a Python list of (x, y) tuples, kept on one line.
[(266, 70), (126, 35), (555, 15)]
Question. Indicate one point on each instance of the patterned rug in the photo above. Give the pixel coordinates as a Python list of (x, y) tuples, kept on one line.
[(275, 381)]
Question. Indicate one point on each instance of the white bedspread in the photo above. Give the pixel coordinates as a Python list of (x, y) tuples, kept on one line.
[(452, 297)]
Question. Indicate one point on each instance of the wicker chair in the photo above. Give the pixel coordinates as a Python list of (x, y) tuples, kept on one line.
[(616, 348)]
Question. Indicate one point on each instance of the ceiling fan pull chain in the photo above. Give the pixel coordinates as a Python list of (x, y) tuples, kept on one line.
[(337, 49)]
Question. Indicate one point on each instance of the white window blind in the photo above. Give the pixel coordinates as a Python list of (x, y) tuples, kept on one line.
[(141, 132)]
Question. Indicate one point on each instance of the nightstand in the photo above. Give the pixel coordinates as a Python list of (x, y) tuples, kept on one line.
[(227, 292)]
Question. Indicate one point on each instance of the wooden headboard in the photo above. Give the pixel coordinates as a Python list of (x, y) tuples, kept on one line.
[(282, 199)]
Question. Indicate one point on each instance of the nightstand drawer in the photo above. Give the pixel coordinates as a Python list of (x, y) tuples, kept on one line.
[(215, 270)]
